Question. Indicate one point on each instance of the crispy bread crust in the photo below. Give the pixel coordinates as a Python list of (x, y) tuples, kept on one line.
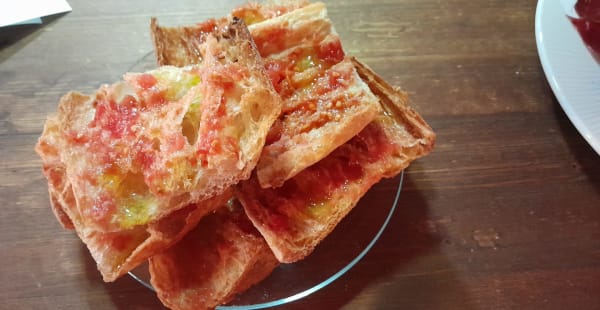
[(293, 219), (302, 26), (395, 102), (296, 217), (115, 253), (285, 158), (223, 256), (175, 49), (119, 249), (232, 143)]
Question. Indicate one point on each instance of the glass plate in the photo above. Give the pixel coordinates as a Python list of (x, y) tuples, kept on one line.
[(339, 252)]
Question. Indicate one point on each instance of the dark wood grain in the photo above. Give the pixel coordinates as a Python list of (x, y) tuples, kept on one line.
[(504, 214)]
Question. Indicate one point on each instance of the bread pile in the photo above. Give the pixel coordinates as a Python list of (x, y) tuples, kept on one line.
[(251, 141)]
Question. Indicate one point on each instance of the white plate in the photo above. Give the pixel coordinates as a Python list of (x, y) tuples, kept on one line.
[(571, 70)]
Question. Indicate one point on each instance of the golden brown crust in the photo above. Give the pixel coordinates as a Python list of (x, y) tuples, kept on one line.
[(156, 237), (132, 152), (178, 46), (297, 216), (284, 36), (323, 173), (292, 153), (395, 102), (223, 256), (115, 252), (173, 49), (309, 30), (182, 46), (69, 161)]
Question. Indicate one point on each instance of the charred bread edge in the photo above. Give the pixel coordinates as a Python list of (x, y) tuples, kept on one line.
[(395, 102)]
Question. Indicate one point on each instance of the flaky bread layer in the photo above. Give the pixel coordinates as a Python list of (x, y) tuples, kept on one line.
[(223, 256), (417, 135), (115, 253), (305, 137), (293, 152), (140, 149), (296, 217)]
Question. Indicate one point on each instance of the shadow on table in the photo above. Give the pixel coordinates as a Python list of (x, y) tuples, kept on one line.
[(408, 241), (14, 38)]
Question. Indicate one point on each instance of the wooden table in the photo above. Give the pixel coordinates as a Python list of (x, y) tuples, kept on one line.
[(504, 214)]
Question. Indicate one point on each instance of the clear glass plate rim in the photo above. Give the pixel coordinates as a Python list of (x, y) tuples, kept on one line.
[(323, 283)]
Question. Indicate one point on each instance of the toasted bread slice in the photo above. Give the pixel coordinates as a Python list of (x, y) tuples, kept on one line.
[(115, 252), (297, 216), (317, 123), (140, 149), (325, 102), (223, 256)]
